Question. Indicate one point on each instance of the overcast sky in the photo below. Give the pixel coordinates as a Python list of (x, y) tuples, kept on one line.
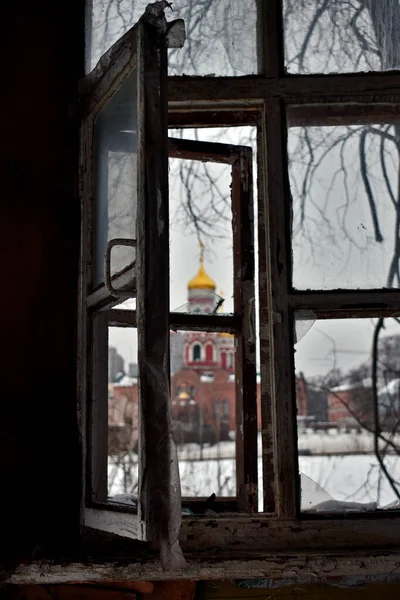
[(323, 259), (335, 244)]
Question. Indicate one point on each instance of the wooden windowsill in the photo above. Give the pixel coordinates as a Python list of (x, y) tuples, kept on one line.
[(299, 566)]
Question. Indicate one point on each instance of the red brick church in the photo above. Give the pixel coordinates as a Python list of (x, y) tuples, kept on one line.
[(202, 378)]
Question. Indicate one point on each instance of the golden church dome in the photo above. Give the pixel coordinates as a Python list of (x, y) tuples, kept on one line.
[(202, 280)]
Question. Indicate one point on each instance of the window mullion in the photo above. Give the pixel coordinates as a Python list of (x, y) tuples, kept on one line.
[(264, 339), (244, 305), (153, 305), (354, 302), (98, 449), (204, 92), (280, 328), (271, 42)]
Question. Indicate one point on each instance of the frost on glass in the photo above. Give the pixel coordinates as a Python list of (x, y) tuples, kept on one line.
[(221, 35), (339, 421), (338, 36), (115, 179), (345, 194)]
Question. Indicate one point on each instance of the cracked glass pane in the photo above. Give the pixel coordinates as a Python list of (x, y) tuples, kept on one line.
[(339, 421)]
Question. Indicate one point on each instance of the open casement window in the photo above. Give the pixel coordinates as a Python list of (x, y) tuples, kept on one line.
[(327, 209), (235, 331), (125, 230), (211, 337)]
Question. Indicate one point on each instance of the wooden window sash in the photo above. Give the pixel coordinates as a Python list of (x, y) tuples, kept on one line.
[(240, 323), (272, 93), (141, 49)]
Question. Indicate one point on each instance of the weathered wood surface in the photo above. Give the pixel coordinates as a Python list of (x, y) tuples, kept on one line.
[(241, 92), (203, 151), (245, 351), (362, 303), (265, 340), (96, 479), (212, 117), (271, 37), (270, 534), (296, 566), (342, 114), (109, 72), (278, 209), (122, 523)]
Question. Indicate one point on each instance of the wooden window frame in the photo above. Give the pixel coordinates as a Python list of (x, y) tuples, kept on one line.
[(280, 543), (240, 323), (239, 158), (144, 51), (299, 99), (97, 304), (266, 100)]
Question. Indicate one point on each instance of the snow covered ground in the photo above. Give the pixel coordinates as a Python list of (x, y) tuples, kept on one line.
[(344, 477)]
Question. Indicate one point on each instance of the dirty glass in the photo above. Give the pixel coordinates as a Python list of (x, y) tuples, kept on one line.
[(203, 405), (344, 188), (123, 415), (336, 424), (191, 184), (201, 232), (337, 36), (201, 272), (221, 36), (115, 179)]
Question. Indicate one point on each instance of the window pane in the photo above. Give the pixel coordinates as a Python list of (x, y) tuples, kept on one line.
[(221, 36), (115, 179), (123, 419), (203, 400), (201, 213), (337, 36), (335, 408), (129, 304), (201, 273), (107, 22), (221, 39), (345, 204)]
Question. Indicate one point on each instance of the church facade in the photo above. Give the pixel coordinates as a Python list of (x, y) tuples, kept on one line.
[(203, 388)]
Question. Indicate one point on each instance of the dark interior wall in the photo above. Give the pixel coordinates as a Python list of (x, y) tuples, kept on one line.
[(42, 59)]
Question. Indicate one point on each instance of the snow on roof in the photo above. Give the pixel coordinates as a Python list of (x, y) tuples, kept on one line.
[(364, 383), (126, 381), (393, 387)]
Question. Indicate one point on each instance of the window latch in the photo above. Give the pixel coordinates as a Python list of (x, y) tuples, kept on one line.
[(107, 265)]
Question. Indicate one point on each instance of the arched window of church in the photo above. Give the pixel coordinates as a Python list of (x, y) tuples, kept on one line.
[(196, 352), (209, 352), (223, 360), (225, 408), (217, 408)]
